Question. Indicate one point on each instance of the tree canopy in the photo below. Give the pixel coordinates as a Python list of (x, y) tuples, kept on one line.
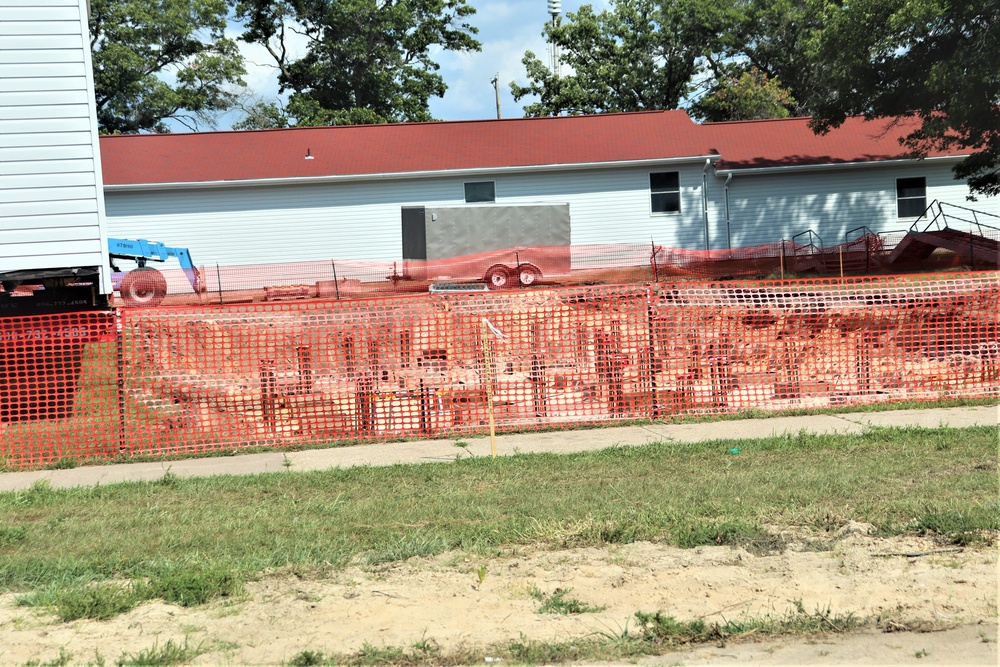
[(772, 38), (366, 61), (745, 95), (742, 59), (658, 54), (162, 59), (636, 55), (934, 59)]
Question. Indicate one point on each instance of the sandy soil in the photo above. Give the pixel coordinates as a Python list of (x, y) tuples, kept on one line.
[(937, 608)]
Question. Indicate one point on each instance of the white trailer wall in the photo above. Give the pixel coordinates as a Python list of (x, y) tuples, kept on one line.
[(51, 200)]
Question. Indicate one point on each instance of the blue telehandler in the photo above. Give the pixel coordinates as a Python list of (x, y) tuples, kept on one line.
[(144, 286)]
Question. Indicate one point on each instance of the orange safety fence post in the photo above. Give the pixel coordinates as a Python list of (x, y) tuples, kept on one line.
[(488, 364)]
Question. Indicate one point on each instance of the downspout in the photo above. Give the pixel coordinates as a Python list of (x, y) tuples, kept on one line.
[(729, 230), (704, 200)]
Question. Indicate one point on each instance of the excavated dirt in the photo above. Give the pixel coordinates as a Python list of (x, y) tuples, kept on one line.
[(929, 604)]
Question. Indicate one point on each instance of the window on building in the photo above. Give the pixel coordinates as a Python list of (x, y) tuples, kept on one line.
[(665, 192), (911, 197), (480, 191)]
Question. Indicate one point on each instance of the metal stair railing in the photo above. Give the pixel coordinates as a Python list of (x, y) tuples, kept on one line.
[(814, 245), (872, 241), (973, 222), (940, 223), (934, 221)]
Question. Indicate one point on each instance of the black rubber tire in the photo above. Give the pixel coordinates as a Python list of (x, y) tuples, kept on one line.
[(528, 275), (144, 287), (498, 277)]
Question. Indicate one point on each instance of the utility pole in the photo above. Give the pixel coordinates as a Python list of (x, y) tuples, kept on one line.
[(555, 7), (496, 88)]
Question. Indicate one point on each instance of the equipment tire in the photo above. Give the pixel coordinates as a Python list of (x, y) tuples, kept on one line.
[(144, 287), (498, 277), (528, 275)]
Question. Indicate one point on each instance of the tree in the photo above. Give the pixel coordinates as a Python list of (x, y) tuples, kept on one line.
[(636, 55), (366, 61), (746, 95), (160, 59), (656, 54), (772, 38), (932, 59), (262, 115)]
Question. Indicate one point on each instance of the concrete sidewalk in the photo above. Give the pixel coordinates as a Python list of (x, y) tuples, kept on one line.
[(423, 451)]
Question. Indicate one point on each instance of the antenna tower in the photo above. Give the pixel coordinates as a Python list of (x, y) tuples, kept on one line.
[(555, 8)]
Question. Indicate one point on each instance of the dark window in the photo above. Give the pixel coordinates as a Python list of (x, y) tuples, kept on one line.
[(665, 192), (480, 191), (911, 197)]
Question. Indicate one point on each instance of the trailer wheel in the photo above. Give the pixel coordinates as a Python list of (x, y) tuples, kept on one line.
[(498, 277), (528, 275), (144, 287)]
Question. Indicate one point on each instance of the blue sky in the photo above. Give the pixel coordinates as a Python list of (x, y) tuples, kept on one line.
[(507, 28)]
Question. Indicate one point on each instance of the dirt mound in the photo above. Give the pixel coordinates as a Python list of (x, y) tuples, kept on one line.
[(459, 599)]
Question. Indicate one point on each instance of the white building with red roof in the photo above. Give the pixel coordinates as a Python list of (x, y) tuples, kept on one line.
[(338, 192)]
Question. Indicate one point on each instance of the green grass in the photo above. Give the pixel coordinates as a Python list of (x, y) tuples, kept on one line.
[(97, 550), (169, 653), (653, 634), (559, 603)]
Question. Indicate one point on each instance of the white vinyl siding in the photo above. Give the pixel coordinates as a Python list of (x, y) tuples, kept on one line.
[(360, 220), (768, 207), (50, 172), (357, 221)]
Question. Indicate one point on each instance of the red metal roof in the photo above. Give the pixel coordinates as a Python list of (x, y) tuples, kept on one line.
[(788, 142), (397, 148), (485, 144)]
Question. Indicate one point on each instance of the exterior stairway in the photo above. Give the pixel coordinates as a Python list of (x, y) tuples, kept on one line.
[(983, 252)]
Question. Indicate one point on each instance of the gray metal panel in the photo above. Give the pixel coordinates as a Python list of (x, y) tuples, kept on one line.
[(466, 230)]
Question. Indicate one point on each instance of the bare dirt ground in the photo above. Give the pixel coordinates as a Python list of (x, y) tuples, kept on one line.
[(936, 608)]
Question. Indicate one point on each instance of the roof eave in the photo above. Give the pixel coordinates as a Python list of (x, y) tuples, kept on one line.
[(409, 175), (834, 165)]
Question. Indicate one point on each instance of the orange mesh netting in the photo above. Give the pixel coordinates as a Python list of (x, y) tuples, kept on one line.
[(59, 388), (299, 373), (573, 265)]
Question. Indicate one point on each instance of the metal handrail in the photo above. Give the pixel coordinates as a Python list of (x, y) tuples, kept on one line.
[(865, 228), (934, 221), (812, 245), (975, 217)]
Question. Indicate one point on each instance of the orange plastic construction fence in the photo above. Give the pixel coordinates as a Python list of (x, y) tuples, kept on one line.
[(191, 379), (575, 265)]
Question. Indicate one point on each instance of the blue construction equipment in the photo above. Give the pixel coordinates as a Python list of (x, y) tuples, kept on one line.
[(144, 286)]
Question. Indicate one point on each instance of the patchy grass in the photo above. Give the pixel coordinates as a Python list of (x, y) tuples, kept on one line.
[(93, 552), (654, 634), (184, 586), (169, 653), (558, 602)]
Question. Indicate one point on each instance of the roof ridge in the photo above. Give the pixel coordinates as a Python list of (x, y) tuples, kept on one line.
[(467, 121)]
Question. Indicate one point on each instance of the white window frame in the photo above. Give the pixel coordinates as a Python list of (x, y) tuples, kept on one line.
[(653, 193), (900, 200)]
